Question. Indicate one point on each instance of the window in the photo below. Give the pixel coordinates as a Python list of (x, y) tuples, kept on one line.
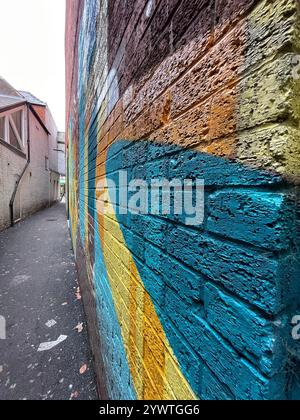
[(17, 119), (2, 128), (12, 128), (13, 139)]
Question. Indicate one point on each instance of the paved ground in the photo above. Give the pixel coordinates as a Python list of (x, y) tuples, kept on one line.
[(38, 284)]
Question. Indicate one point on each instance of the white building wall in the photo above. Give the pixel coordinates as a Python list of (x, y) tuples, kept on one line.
[(11, 166), (53, 154), (39, 186), (62, 154)]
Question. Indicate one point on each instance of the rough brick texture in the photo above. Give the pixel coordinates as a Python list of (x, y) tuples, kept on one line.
[(182, 89)]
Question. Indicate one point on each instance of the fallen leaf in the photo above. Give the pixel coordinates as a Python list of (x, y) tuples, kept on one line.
[(78, 294), (83, 369), (74, 395), (79, 327)]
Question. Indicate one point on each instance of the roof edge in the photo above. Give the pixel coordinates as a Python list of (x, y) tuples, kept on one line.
[(38, 118)]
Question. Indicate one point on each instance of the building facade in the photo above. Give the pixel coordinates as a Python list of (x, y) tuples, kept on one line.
[(29, 166), (188, 89)]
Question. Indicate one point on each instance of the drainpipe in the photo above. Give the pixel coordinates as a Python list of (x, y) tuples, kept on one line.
[(12, 200)]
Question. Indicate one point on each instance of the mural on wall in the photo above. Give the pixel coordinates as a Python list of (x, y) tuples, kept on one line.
[(188, 90)]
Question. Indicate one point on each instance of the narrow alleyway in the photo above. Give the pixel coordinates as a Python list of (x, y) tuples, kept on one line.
[(38, 299)]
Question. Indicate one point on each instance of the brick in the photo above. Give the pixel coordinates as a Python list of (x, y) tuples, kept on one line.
[(213, 389), (234, 267), (229, 12), (263, 219), (259, 339), (276, 149), (199, 90), (243, 380), (216, 171), (191, 363), (243, 49), (186, 283)]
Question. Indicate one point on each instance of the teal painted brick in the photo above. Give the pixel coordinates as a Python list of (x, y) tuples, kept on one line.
[(229, 366), (155, 231), (263, 219), (293, 378), (174, 303), (155, 283), (151, 228), (191, 361), (136, 155), (212, 389), (217, 172), (136, 244), (188, 284), (246, 273), (258, 339), (243, 380)]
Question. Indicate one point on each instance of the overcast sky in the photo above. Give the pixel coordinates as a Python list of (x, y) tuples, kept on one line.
[(32, 50)]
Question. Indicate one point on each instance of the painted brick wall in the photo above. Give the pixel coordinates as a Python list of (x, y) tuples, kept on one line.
[(188, 89)]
